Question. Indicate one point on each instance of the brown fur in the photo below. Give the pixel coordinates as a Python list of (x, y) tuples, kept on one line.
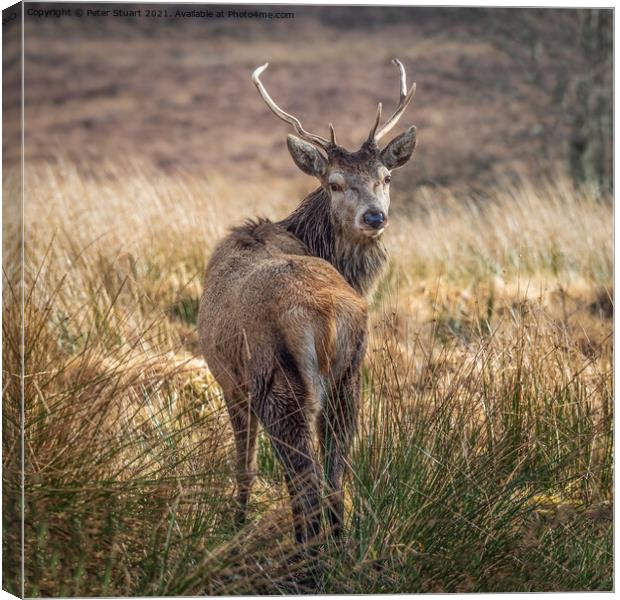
[(360, 263), (278, 325), (283, 320)]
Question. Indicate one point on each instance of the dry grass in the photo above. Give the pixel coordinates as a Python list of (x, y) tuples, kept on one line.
[(484, 455)]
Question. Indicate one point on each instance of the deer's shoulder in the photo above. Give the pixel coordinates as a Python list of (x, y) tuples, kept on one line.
[(264, 237)]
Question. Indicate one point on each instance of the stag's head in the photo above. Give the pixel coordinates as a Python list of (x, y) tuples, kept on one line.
[(358, 183)]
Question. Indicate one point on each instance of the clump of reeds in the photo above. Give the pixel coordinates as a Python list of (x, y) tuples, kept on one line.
[(483, 460)]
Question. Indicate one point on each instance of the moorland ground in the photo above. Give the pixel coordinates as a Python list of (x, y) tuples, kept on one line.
[(484, 455)]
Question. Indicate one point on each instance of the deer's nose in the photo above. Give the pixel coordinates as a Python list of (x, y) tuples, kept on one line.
[(374, 218)]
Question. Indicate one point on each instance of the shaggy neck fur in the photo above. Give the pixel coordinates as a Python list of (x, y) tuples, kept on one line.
[(360, 263)]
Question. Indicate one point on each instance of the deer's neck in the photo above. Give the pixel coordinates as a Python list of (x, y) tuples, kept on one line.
[(360, 263)]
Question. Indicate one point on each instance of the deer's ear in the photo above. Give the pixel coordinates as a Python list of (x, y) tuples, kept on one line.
[(399, 150), (306, 156)]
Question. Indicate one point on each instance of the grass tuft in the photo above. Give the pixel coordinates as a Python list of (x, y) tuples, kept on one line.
[(484, 455)]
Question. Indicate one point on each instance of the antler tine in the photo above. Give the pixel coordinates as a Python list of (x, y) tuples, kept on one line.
[(332, 133), (403, 77), (373, 131), (317, 140), (403, 102)]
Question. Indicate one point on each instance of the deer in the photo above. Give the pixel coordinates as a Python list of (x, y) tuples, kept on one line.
[(283, 317)]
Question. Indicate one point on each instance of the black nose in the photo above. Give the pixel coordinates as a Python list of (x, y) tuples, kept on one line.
[(374, 218)]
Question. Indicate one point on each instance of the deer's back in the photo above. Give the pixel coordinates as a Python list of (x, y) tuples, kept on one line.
[(264, 295)]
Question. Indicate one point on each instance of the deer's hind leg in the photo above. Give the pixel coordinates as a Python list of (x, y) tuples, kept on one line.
[(245, 429), (287, 412), (336, 428)]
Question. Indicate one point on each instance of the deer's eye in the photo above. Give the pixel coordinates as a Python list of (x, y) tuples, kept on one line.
[(335, 187), (387, 179)]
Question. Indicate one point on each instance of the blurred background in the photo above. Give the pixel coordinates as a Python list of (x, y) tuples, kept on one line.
[(499, 90)]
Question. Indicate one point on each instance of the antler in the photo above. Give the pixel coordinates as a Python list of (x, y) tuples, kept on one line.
[(317, 140), (404, 100)]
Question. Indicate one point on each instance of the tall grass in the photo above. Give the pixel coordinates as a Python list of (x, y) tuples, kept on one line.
[(483, 460)]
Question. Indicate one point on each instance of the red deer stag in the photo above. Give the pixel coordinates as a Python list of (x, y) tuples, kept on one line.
[(283, 319)]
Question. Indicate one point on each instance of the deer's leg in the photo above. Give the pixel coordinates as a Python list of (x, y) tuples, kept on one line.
[(245, 428), (288, 419), (336, 427)]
